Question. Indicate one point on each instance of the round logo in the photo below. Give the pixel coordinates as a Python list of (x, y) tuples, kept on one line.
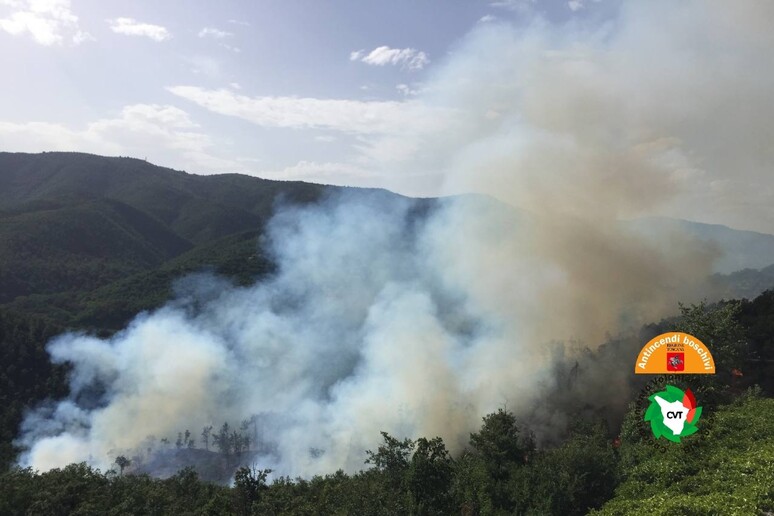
[(673, 413)]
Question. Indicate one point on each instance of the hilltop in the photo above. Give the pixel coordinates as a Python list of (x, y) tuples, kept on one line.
[(88, 241), (81, 233)]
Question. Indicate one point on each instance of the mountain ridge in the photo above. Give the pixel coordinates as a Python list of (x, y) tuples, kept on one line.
[(91, 240)]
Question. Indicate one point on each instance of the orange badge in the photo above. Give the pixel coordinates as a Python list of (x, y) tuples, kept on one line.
[(675, 353)]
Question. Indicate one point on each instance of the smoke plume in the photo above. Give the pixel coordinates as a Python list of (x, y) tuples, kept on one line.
[(417, 318)]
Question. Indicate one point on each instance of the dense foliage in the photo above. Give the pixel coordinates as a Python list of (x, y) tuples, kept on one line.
[(726, 468), (87, 242), (26, 374)]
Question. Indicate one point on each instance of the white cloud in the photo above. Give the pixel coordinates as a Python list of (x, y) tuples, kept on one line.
[(354, 116), (407, 90), (407, 57), (392, 148), (82, 37), (575, 5), (163, 133), (487, 18), (131, 27), (514, 5), (231, 48), (48, 22), (166, 115), (212, 32), (204, 65)]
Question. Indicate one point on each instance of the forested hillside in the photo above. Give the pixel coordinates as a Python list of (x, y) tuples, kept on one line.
[(197, 208), (726, 468), (87, 242)]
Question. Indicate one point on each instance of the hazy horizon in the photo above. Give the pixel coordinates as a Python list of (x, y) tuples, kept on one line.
[(483, 97)]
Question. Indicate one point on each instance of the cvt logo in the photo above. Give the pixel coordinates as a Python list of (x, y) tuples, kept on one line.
[(673, 413)]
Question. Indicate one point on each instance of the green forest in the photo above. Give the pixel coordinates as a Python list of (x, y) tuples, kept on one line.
[(726, 468), (87, 254)]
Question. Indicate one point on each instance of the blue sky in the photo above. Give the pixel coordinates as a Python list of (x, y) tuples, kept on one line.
[(662, 107), (131, 77)]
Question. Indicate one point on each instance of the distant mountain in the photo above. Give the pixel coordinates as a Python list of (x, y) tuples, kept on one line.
[(73, 223), (739, 249), (197, 208), (52, 247), (88, 241), (744, 284)]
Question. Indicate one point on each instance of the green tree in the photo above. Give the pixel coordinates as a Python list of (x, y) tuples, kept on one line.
[(206, 432), (429, 478), (223, 441), (249, 484), (500, 443), (122, 462), (725, 468), (572, 478), (499, 450), (718, 327), (391, 458)]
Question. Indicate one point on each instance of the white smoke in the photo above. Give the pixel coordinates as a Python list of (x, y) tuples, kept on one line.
[(385, 318), (360, 331), (380, 318)]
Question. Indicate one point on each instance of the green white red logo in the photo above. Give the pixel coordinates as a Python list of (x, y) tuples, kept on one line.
[(673, 413)]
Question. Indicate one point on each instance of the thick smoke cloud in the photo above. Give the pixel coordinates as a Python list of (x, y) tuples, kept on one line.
[(382, 317), (387, 315), (360, 331), (664, 108)]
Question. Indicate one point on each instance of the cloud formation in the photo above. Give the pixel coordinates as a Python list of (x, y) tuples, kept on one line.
[(406, 57), (523, 6), (212, 32), (47, 22), (163, 133), (131, 27), (569, 100), (353, 116)]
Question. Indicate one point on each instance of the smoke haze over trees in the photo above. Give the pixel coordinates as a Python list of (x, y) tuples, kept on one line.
[(270, 332)]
